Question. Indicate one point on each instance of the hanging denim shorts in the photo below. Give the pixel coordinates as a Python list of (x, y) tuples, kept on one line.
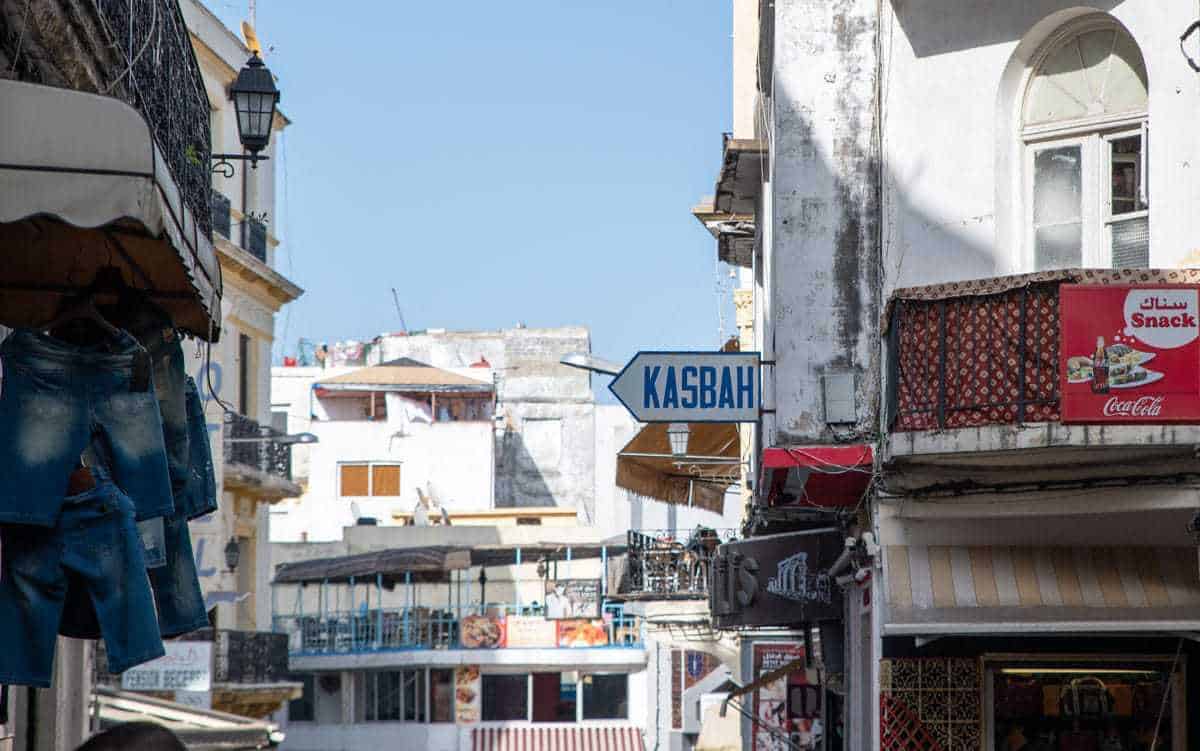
[(199, 496), (53, 398), (167, 552), (96, 543)]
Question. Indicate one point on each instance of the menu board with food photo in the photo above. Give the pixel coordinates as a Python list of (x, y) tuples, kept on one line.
[(572, 598), (581, 633), (1130, 354), (483, 631), (467, 685)]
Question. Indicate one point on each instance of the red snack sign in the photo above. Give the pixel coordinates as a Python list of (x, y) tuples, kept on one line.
[(1129, 353)]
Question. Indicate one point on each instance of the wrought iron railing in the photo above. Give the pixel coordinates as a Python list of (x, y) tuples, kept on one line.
[(974, 360), (221, 219), (161, 78), (250, 444), (384, 629), (254, 238), (670, 564)]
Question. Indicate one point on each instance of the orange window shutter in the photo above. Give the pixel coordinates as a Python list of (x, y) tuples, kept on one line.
[(354, 480), (385, 480)]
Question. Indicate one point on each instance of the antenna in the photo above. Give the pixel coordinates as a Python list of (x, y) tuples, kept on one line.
[(399, 312), (253, 12)]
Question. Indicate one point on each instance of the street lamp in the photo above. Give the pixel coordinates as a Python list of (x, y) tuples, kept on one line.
[(585, 361), (233, 554), (254, 98), (677, 434)]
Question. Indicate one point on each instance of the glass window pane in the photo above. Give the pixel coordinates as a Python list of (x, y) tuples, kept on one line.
[(1126, 175), (1099, 72), (441, 695), (385, 479), (505, 697), (606, 697), (414, 695), (1057, 207), (1131, 244), (355, 479)]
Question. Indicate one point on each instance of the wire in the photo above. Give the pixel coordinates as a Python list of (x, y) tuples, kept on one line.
[(1166, 694), (132, 62)]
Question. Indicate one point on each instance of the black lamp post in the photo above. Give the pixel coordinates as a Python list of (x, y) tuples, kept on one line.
[(233, 554), (254, 98)]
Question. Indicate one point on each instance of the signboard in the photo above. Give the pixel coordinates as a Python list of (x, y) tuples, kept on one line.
[(582, 633), (771, 700), (572, 598), (778, 580), (483, 632), (530, 631), (1129, 354), (691, 387), (467, 688), (187, 666)]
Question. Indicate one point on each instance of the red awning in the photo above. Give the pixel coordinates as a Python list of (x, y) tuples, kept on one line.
[(557, 738), (819, 475)]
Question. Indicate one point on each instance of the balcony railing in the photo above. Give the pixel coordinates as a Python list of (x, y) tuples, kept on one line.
[(160, 77), (251, 445), (221, 219), (254, 238), (238, 657), (667, 564), (980, 359), (382, 630)]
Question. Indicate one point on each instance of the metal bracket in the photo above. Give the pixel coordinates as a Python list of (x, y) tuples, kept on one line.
[(223, 163)]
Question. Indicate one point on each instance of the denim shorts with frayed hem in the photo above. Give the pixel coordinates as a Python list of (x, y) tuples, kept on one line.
[(54, 398), (96, 541)]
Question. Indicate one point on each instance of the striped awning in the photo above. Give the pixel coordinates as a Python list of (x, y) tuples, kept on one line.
[(558, 738), (980, 590)]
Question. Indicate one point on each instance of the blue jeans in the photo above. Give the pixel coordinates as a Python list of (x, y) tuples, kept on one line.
[(199, 495), (95, 543), (54, 398)]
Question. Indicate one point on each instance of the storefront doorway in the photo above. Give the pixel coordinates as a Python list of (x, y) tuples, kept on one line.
[(1084, 702)]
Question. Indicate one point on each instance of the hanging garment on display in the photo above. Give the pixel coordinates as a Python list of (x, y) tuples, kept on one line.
[(56, 396), (200, 494), (95, 539), (1086, 698)]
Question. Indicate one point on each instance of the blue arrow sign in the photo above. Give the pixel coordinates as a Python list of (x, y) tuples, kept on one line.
[(691, 387)]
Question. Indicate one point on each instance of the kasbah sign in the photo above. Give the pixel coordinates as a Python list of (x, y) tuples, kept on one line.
[(1130, 354)]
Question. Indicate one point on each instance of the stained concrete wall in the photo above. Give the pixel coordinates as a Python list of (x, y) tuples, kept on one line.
[(824, 256)]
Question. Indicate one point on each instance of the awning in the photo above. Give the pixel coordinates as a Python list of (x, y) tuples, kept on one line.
[(719, 733), (391, 566), (647, 467), (506, 555), (817, 475), (199, 729), (558, 738), (937, 590), (84, 185)]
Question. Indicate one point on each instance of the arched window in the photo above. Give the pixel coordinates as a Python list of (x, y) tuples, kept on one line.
[(1084, 125)]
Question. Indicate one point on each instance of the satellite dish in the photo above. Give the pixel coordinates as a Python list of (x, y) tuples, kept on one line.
[(251, 38), (355, 510)]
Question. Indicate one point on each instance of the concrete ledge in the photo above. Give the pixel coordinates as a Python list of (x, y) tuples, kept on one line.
[(262, 485), (1000, 439)]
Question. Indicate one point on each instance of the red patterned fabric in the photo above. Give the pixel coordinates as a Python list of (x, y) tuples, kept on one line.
[(901, 730), (987, 353)]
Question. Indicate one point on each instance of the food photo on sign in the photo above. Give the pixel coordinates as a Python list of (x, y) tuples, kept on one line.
[(1130, 354)]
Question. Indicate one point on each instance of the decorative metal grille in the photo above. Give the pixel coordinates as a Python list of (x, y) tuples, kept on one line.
[(663, 564), (254, 238), (931, 704), (163, 81), (220, 214)]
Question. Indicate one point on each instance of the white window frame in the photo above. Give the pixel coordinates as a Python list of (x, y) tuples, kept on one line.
[(1094, 136), (370, 465)]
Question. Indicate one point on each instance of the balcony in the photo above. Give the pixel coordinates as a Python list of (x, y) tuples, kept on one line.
[(221, 218), (370, 630), (254, 238), (255, 462), (662, 565), (974, 385)]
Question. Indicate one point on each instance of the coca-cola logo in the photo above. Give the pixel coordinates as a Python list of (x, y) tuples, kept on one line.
[(1143, 406)]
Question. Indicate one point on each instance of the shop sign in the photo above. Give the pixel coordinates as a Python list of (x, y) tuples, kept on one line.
[(777, 580), (483, 632), (530, 631), (1130, 354), (690, 387), (771, 715), (572, 598), (186, 666), (582, 633), (467, 688)]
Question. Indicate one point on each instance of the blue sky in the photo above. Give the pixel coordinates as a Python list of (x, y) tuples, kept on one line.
[(500, 162)]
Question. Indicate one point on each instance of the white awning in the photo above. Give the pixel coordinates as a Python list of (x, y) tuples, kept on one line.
[(199, 729), (941, 590), (557, 738), (84, 185)]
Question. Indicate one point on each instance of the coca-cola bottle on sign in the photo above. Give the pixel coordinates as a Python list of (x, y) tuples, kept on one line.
[(1100, 368)]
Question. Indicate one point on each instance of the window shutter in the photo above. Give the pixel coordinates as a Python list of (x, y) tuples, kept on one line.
[(355, 479), (385, 480)]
